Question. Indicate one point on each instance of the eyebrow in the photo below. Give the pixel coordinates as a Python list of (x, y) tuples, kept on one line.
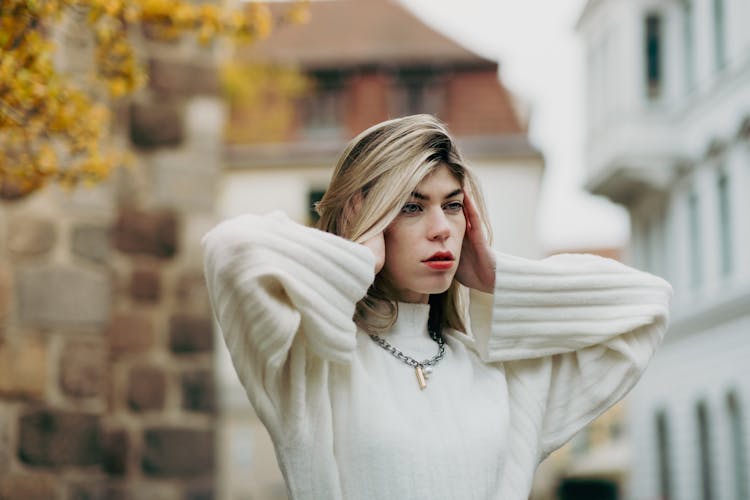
[(420, 196)]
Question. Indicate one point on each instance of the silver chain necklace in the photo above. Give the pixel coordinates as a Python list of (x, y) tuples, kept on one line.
[(423, 368)]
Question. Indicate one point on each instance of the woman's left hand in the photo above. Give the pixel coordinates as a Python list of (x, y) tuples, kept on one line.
[(476, 268)]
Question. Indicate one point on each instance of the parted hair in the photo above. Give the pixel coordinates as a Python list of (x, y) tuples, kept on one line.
[(374, 177)]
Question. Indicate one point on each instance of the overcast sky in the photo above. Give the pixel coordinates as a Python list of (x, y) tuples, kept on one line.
[(540, 61)]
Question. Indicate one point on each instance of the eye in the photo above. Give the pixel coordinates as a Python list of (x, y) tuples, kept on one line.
[(411, 208), (454, 206)]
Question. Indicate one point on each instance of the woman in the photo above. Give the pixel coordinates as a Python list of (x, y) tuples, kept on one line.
[(394, 355)]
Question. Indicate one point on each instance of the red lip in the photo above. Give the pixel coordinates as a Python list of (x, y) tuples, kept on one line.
[(440, 261), (440, 256)]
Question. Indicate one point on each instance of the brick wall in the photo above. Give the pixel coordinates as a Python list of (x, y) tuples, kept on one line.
[(471, 101), (106, 342), (477, 104), (367, 101)]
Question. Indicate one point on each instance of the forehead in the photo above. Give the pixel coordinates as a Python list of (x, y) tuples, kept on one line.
[(441, 178)]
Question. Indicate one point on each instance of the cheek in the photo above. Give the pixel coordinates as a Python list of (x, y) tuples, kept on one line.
[(459, 227), (399, 250), (394, 248)]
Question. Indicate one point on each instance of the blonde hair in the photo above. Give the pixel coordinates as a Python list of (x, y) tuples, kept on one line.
[(374, 177)]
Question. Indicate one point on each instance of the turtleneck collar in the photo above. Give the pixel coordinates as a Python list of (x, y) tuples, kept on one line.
[(411, 321)]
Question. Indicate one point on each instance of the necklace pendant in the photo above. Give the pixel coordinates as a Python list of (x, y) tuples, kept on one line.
[(421, 379)]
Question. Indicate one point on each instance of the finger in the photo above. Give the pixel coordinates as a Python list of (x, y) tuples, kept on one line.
[(468, 222), (467, 212), (470, 209)]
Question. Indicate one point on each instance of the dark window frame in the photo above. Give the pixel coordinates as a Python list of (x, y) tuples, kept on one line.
[(653, 52)]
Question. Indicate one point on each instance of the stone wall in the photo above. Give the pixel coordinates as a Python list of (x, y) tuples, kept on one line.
[(106, 342)]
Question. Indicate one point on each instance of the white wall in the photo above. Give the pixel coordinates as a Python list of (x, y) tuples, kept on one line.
[(511, 193), (260, 191)]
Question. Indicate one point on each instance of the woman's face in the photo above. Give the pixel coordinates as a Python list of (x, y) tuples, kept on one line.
[(423, 244)]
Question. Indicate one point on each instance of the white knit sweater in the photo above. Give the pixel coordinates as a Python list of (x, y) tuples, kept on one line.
[(558, 342)]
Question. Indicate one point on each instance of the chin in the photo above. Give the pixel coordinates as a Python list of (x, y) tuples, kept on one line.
[(438, 288)]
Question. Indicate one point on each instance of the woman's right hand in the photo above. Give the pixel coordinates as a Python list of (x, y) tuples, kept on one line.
[(377, 245)]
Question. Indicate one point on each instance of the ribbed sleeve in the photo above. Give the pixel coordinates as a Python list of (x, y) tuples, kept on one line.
[(574, 333), (280, 292)]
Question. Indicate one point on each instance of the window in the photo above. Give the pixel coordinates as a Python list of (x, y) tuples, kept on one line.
[(739, 457), (720, 49), (725, 223), (653, 53), (688, 43), (696, 255), (417, 92), (324, 107), (662, 449), (704, 451), (313, 197)]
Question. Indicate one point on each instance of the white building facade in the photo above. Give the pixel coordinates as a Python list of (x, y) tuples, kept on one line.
[(668, 112)]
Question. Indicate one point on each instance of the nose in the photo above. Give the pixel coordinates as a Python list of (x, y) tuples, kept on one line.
[(439, 228)]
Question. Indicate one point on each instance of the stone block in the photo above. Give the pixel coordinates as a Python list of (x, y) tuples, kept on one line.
[(5, 443), (130, 333), (145, 285), (192, 294), (156, 124), (178, 452), (52, 438), (92, 242), (119, 492), (199, 492), (28, 487), (23, 367), (198, 392), (151, 233), (169, 76), (29, 235), (157, 491), (115, 452), (87, 491), (57, 296), (83, 369), (12, 190), (147, 388), (190, 334), (184, 179), (98, 490)]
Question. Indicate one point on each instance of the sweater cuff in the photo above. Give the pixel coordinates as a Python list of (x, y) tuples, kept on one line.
[(561, 304), (256, 260)]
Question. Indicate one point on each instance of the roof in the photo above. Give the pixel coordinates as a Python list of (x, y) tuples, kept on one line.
[(358, 33)]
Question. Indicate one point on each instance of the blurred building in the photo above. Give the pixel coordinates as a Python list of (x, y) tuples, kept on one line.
[(363, 61), (668, 112)]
